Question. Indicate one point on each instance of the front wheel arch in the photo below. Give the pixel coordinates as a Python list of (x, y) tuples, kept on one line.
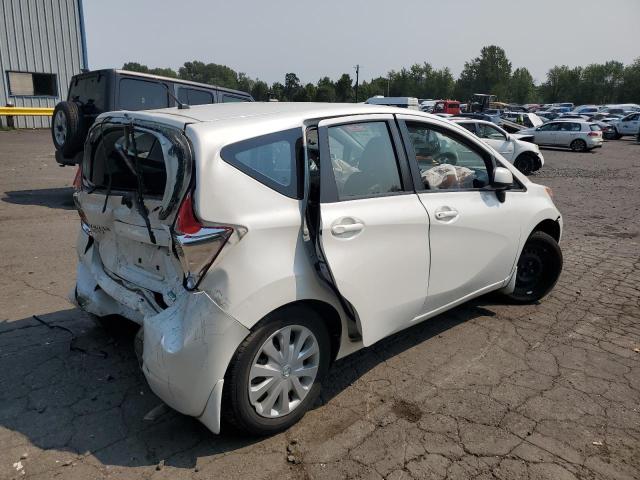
[(550, 227)]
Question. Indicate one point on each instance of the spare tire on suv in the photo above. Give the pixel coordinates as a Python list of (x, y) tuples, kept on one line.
[(67, 128)]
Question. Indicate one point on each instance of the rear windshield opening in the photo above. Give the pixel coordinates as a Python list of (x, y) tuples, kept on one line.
[(595, 128), (109, 165)]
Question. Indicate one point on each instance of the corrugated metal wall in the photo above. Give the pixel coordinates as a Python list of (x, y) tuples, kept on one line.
[(39, 36)]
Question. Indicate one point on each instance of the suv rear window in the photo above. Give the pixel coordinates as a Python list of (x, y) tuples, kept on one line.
[(270, 159), (90, 91), (142, 95)]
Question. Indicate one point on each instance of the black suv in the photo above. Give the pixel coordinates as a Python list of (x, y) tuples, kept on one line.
[(93, 93)]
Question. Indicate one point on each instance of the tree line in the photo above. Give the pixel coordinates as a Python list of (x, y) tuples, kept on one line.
[(490, 72)]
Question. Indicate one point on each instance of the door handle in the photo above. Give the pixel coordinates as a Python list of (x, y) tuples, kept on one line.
[(446, 214), (347, 228)]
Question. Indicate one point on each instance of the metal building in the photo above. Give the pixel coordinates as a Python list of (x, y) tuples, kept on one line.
[(42, 45)]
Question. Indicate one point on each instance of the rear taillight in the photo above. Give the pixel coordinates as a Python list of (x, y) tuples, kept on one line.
[(84, 223), (77, 180), (197, 245), (186, 222), (594, 134)]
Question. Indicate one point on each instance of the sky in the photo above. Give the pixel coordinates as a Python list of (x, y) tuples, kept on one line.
[(266, 39)]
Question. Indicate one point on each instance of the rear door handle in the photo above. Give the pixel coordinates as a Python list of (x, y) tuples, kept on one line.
[(347, 228), (446, 214)]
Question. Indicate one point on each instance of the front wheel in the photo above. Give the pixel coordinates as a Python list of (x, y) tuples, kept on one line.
[(539, 268), (579, 145), (525, 163), (277, 372)]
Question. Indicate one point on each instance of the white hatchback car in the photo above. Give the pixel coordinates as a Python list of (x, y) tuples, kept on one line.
[(524, 155), (578, 135), (256, 243)]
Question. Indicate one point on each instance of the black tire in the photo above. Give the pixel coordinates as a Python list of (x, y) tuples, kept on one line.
[(579, 145), (237, 410), (616, 135), (69, 141), (526, 163), (539, 268)]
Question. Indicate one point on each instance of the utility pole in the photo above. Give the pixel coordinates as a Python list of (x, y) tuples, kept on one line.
[(357, 67)]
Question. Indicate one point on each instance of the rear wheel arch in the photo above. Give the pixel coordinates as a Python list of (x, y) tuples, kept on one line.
[(323, 321), (330, 316)]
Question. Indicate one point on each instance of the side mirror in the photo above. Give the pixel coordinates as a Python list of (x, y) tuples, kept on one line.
[(538, 128), (502, 178)]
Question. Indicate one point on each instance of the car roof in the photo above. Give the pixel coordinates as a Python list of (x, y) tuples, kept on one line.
[(162, 78), (291, 112)]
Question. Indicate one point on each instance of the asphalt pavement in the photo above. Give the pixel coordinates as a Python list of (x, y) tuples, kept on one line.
[(487, 390)]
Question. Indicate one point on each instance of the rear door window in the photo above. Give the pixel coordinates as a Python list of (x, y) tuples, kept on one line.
[(142, 94), (193, 96), (271, 159), (364, 160), (227, 98)]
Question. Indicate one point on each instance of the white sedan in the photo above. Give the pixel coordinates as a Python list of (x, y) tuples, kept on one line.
[(579, 136), (524, 155), (629, 125)]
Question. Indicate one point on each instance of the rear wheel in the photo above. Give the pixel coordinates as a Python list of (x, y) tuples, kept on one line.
[(539, 268), (277, 373), (526, 163), (579, 145), (67, 129)]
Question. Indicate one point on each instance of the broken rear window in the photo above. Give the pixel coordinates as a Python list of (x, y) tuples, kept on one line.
[(119, 153)]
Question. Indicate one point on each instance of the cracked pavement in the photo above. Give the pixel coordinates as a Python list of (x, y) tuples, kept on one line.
[(488, 390)]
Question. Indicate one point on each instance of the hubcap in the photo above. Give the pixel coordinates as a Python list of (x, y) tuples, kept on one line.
[(530, 267), (60, 127), (283, 371)]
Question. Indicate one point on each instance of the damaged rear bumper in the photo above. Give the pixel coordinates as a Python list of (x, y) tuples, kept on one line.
[(187, 346), (187, 349)]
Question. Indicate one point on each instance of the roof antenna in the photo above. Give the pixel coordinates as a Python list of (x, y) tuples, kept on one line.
[(181, 106)]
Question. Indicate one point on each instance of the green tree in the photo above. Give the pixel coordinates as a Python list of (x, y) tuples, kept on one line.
[(245, 83), (326, 91), (277, 91), (137, 67), (210, 73), (630, 88), (562, 84), (260, 91), (311, 91), (291, 86), (521, 86), (343, 88), (488, 73)]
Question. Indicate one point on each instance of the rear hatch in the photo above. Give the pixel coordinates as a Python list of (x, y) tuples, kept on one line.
[(134, 175)]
